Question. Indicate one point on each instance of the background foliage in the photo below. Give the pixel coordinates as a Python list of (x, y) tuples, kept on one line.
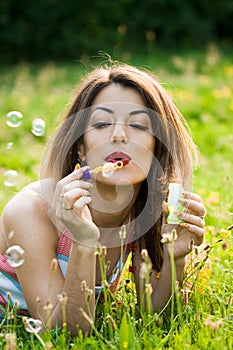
[(64, 30), (188, 46)]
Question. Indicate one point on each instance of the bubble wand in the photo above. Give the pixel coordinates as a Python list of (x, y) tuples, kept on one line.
[(107, 169)]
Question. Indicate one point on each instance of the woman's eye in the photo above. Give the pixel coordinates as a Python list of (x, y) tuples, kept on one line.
[(139, 126), (101, 125)]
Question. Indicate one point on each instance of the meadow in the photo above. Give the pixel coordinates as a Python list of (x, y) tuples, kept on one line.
[(201, 84)]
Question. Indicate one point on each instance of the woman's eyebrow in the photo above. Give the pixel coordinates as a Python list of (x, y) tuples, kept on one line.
[(109, 110), (139, 112)]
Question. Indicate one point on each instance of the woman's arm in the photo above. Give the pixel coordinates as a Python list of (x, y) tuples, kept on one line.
[(26, 216), (189, 233)]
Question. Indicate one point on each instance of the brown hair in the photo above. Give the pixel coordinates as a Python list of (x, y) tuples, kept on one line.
[(174, 151)]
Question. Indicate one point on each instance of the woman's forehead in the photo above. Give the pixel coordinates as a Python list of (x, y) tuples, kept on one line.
[(116, 93)]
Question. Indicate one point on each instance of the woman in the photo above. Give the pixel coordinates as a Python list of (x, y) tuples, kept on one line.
[(119, 115)]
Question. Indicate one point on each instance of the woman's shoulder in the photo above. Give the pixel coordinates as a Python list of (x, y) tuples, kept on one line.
[(25, 211), (31, 199), (42, 188)]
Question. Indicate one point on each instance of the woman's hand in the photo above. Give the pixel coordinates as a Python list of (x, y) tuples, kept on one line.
[(70, 203), (191, 230)]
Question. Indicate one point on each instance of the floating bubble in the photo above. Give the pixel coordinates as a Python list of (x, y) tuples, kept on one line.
[(108, 169), (10, 178), (38, 127), (14, 119), (33, 326), (9, 145), (15, 256)]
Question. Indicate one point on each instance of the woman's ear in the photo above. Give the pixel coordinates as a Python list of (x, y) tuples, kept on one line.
[(81, 153)]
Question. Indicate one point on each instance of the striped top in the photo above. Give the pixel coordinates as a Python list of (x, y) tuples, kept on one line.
[(9, 282)]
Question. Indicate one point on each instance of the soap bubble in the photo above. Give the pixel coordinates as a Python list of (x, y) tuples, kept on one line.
[(38, 127), (33, 325), (10, 178), (9, 145), (14, 256), (14, 119), (108, 169)]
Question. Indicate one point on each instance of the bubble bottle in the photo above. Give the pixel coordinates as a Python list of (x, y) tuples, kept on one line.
[(174, 195)]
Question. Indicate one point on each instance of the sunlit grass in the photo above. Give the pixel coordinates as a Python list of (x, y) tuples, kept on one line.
[(201, 84)]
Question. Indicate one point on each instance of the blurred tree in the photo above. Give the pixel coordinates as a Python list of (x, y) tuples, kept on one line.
[(60, 30)]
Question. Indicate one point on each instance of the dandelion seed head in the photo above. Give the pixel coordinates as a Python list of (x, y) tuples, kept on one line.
[(89, 293), (11, 341), (54, 265), (104, 250), (83, 286), (16, 303), (148, 288), (10, 316), (8, 295), (166, 238), (144, 254), (62, 298), (48, 345), (108, 264), (122, 232), (48, 306)]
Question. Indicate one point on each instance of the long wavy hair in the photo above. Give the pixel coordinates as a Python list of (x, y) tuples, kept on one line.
[(175, 151)]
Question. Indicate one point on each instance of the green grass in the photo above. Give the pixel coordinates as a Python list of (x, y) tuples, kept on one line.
[(201, 84)]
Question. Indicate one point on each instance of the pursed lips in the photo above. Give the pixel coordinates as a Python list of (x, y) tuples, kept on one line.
[(115, 156)]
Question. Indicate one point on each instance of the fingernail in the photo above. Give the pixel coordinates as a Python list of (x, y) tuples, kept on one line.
[(182, 201), (184, 224), (186, 193), (178, 214)]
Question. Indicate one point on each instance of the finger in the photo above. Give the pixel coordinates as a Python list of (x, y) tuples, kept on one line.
[(191, 195), (191, 219), (197, 232), (73, 195), (80, 204), (193, 206), (77, 184), (75, 175)]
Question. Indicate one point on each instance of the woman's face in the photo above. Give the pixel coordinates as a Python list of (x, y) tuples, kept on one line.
[(119, 128)]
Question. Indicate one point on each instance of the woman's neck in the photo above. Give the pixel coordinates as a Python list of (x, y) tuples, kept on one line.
[(111, 206)]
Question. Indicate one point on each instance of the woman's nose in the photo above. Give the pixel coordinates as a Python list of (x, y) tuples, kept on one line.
[(119, 134)]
